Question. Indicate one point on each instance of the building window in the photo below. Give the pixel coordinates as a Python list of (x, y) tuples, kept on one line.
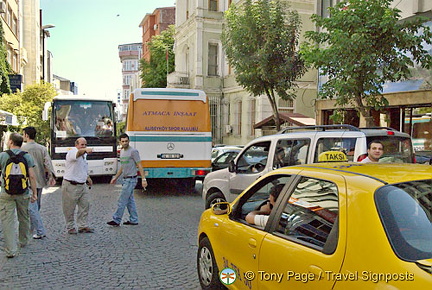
[(213, 5), (127, 80), (15, 62), (325, 4), (252, 116), (130, 65), (212, 59), (9, 16), (238, 118), (9, 55), (214, 116), (14, 25), (286, 106)]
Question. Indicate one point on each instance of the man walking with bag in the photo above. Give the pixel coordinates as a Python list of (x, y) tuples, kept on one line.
[(15, 197), (129, 160)]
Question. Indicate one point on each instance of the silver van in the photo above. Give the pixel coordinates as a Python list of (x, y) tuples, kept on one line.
[(301, 145)]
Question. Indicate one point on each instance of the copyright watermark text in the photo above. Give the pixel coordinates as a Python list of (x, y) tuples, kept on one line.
[(306, 277)]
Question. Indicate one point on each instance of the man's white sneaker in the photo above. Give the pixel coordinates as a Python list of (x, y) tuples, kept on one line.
[(38, 237)]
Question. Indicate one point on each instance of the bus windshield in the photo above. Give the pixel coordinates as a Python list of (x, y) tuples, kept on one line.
[(82, 118)]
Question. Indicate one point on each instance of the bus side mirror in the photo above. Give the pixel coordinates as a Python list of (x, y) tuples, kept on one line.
[(45, 112)]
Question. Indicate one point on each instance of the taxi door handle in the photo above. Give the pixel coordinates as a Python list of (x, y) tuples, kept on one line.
[(317, 271), (252, 243)]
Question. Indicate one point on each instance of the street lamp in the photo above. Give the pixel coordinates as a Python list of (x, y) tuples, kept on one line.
[(44, 34)]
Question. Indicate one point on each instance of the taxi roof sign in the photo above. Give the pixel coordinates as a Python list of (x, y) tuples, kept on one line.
[(332, 156)]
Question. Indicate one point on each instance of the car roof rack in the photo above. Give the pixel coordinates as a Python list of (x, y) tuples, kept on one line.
[(378, 128), (320, 128)]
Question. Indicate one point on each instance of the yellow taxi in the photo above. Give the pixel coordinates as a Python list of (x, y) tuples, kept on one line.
[(330, 226)]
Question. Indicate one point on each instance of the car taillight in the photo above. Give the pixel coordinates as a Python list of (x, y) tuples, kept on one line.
[(201, 172), (390, 133), (361, 157)]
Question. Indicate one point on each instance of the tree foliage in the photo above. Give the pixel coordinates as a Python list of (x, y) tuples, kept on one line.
[(260, 39), (360, 47), (154, 72), (4, 65), (28, 106)]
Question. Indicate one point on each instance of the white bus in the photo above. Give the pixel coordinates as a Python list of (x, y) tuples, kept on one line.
[(73, 116)]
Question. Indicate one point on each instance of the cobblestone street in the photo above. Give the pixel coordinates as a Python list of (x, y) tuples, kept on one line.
[(159, 253)]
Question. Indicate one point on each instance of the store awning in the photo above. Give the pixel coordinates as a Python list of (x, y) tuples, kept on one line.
[(293, 119)]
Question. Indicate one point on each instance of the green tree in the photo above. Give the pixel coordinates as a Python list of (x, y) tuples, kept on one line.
[(121, 127), (28, 106), (360, 47), (260, 39), (154, 72), (5, 68)]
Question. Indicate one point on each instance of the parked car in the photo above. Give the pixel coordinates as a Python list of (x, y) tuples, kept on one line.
[(223, 160), (219, 150), (333, 226), (300, 145), (423, 157)]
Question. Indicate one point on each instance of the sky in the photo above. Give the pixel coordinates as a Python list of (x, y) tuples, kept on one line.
[(84, 42)]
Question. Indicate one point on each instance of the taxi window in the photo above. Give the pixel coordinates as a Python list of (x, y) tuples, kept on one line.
[(291, 152), (259, 195), (345, 145), (405, 210), (310, 215)]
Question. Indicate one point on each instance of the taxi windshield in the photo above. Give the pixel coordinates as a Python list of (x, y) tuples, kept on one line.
[(405, 210)]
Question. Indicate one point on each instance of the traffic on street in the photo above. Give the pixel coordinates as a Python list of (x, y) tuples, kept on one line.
[(216, 144)]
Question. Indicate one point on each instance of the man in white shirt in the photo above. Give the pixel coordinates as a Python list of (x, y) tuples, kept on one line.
[(75, 191), (261, 215), (374, 152)]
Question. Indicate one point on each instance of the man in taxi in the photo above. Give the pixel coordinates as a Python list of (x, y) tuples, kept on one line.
[(260, 216), (374, 152)]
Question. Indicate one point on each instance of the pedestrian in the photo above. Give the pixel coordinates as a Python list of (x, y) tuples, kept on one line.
[(75, 191), (13, 206), (374, 152), (129, 160), (43, 169)]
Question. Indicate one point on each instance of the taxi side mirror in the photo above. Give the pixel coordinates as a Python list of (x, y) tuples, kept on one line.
[(221, 208)]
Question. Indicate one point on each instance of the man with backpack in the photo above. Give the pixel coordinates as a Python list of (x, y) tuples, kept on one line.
[(17, 169)]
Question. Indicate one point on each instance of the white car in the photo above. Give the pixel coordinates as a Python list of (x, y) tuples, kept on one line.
[(300, 145), (219, 150)]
